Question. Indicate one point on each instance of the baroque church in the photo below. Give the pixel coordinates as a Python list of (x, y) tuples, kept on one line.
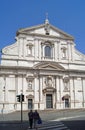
[(44, 66)]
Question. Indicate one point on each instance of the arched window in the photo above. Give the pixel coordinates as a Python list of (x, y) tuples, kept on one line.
[(47, 51)]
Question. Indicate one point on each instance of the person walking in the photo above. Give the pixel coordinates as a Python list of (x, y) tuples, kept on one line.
[(36, 117), (30, 115)]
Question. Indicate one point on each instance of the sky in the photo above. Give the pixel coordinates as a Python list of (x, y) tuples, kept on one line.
[(67, 15)]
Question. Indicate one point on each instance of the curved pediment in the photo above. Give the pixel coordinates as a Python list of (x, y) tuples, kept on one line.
[(48, 66), (29, 96), (65, 97)]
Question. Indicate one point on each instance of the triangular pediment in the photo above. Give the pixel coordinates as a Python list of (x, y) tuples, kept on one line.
[(48, 66), (40, 30)]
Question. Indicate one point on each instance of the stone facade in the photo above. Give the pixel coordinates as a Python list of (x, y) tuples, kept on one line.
[(43, 65)]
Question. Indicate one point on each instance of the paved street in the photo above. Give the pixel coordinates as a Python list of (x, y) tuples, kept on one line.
[(13, 126), (52, 120), (75, 123), (52, 125)]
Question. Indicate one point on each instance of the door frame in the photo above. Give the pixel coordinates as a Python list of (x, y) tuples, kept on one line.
[(31, 103), (51, 101), (67, 103)]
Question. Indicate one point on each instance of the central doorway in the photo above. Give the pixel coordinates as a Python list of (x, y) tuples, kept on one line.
[(49, 101)]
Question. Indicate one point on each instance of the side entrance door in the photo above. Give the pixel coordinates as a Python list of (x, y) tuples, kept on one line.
[(30, 103), (49, 101), (66, 103)]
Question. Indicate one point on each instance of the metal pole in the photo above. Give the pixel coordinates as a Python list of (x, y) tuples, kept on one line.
[(21, 107)]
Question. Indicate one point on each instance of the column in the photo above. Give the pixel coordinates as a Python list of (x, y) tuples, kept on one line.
[(58, 50), (16, 86), (36, 48), (83, 92), (72, 48), (55, 51), (58, 92), (39, 49), (20, 47), (35, 90), (41, 103), (74, 90), (5, 90), (24, 47), (69, 51), (36, 93), (40, 88), (56, 78), (69, 92)]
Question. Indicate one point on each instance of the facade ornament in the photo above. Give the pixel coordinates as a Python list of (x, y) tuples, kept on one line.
[(66, 81), (29, 79), (29, 76), (48, 81), (47, 26), (49, 85), (30, 96), (49, 89)]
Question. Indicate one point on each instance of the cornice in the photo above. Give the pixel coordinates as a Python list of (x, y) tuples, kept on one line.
[(43, 26), (45, 36), (60, 62)]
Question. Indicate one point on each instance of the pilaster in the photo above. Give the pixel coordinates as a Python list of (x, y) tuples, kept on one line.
[(20, 47), (58, 50), (39, 49), (83, 92), (36, 49)]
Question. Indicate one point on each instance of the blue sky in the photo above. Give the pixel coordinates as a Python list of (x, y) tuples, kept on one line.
[(67, 15)]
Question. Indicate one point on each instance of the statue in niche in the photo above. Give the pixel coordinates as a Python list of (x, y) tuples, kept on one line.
[(66, 81), (66, 86), (30, 84), (29, 81), (29, 49), (48, 81)]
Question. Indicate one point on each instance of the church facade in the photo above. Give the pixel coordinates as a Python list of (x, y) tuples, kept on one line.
[(43, 65)]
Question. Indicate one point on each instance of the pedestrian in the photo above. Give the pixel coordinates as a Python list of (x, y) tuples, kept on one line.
[(30, 115), (36, 117)]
